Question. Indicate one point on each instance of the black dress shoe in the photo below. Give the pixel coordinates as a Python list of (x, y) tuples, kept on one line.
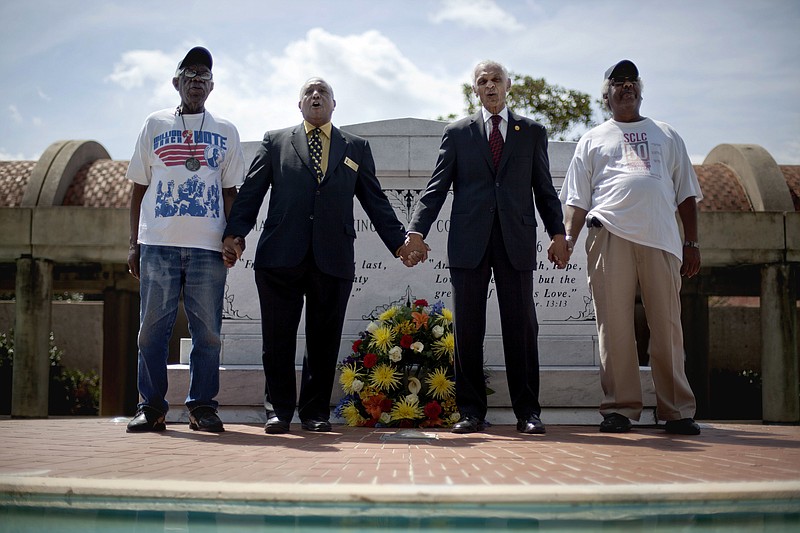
[(684, 426), (315, 425), (276, 426), (531, 425), (205, 418), (615, 423), (146, 419), (468, 424)]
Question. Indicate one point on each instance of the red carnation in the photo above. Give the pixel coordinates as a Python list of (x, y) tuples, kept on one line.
[(421, 303), (370, 360), (357, 345), (406, 341), (433, 410), (386, 405)]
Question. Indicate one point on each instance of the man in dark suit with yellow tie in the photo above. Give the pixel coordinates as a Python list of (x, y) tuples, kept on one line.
[(498, 167), (306, 249)]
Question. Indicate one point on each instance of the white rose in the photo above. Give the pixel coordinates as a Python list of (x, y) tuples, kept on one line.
[(385, 418), (396, 354), (455, 417), (417, 347), (437, 331), (411, 398), (371, 327), (414, 385), (357, 385)]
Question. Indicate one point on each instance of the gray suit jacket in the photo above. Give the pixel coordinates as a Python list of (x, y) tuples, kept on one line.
[(303, 214), (479, 194)]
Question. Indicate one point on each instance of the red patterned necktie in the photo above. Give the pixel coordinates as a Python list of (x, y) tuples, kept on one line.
[(496, 141)]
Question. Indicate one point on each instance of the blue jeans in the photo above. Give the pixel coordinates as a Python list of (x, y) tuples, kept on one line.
[(165, 272)]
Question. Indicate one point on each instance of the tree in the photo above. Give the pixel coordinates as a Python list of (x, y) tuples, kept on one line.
[(560, 110)]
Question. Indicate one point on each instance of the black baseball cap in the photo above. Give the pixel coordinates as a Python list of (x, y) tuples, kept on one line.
[(622, 68), (196, 56)]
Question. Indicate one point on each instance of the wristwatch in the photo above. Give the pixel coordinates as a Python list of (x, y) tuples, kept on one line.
[(692, 244)]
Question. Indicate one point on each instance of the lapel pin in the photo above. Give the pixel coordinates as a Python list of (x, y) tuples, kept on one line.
[(516, 128)]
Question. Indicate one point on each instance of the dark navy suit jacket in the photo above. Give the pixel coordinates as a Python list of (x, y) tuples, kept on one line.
[(479, 194), (304, 214)]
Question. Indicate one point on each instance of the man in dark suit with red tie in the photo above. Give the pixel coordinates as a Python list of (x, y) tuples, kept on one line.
[(306, 249), (498, 167)]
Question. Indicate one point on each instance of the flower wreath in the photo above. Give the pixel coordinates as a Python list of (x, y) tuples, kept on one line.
[(400, 373)]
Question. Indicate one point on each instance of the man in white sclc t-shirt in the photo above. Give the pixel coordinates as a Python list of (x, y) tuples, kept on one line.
[(626, 181)]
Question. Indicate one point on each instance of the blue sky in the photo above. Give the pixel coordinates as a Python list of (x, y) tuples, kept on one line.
[(719, 71)]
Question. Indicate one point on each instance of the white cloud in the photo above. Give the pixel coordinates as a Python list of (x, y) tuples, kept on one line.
[(140, 66), (16, 116), (259, 91), (147, 69), (8, 156), (481, 14), (42, 95), (788, 152)]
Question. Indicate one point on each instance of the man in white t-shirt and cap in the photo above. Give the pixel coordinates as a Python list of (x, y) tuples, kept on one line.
[(626, 181), (185, 169)]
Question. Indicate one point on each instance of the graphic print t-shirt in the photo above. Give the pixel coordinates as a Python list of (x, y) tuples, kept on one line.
[(183, 207), (632, 176)]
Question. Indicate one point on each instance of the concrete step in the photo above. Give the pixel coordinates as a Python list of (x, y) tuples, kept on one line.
[(570, 395)]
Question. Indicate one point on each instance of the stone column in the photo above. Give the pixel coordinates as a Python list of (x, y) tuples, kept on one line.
[(120, 329), (695, 322), (779, 367), (31, 378)]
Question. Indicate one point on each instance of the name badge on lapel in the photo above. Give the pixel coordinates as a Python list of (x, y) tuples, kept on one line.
[(350, 163)]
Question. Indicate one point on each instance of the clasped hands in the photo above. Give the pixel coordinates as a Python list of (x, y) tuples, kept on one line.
[(559, 251), (232, 249), (414, 250)]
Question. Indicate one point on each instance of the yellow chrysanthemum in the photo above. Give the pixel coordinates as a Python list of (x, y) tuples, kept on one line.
[(445, 346), (439, 385), (384, 377), (351, 415), (447, 316), (405, 328), (388, 314), (407, 408), (382, 338), (349, 375)]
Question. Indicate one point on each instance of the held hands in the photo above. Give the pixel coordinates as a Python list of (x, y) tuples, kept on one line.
[(559, 251), (414, 250), (232, 249)]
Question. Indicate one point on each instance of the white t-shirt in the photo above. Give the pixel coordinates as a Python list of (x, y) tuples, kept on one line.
[(183, 207), (632, 176)]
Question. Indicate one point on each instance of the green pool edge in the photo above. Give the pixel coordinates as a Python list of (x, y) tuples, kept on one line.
[(309, 499)]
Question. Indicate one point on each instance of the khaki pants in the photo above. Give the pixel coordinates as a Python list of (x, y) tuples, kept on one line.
[(615, 266)]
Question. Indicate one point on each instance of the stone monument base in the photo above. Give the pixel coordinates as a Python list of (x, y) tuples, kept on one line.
[(569, 395)]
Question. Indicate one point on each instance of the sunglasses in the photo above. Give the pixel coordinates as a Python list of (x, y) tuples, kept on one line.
[(618, 81), (191, 74)]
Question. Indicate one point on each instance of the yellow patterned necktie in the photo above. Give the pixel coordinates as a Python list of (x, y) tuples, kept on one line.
[(315, 147)]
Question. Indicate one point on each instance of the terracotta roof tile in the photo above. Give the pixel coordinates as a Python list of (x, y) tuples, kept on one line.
[(14, 177), (792, 175), (721, 189), (100, 183)]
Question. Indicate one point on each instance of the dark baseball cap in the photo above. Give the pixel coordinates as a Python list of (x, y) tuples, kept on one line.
[(196, 56), (622, 68)]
